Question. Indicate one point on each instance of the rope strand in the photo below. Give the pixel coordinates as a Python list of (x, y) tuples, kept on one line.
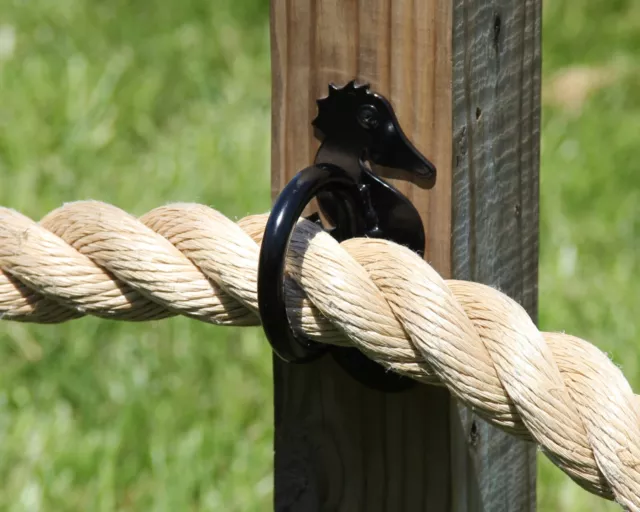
[(90, 258)]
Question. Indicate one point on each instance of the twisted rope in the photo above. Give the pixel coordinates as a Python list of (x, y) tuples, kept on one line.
[(91, 258)]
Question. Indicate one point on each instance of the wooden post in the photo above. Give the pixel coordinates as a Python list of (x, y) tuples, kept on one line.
[(464, 79)]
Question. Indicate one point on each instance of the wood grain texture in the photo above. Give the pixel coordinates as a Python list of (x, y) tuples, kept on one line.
[(496, 120), (338, 445), (402, 48)]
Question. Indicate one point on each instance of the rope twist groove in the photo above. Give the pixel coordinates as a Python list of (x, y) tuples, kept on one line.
[(91, 258)]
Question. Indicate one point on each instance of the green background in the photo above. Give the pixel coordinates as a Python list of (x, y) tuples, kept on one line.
[(142, 103)]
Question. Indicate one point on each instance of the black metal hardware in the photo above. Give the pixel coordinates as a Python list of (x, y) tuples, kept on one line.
[(360, 134), (285, 214)]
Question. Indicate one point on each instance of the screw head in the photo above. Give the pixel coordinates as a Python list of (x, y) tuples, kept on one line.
[(368, 117)]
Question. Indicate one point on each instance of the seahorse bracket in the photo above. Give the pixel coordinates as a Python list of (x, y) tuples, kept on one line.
[(361, 141)]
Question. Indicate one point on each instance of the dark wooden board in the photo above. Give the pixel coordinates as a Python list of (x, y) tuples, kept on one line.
[(466, 91)]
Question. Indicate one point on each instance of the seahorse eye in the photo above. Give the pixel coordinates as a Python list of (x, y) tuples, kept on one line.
[(368, 117)]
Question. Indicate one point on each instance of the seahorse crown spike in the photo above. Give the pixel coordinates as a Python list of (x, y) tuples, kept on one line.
[(340, 106)]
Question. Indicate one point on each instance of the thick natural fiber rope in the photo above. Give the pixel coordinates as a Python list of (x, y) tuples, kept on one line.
[(554, 389)]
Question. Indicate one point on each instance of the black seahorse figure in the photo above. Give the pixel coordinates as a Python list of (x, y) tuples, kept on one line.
[(360, 134)]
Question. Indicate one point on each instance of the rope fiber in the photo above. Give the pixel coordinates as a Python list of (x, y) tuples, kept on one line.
[(91, 258)]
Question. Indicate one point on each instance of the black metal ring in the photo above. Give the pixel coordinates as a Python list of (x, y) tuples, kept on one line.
[(285, 214), (349, 219)]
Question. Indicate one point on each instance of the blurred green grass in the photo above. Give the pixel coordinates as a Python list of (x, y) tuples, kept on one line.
[(139, 104)]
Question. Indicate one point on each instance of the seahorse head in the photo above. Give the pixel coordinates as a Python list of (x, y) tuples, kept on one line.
[(357, 119)]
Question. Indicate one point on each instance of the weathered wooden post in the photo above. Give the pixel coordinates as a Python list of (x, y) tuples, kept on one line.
[(464, 79)]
